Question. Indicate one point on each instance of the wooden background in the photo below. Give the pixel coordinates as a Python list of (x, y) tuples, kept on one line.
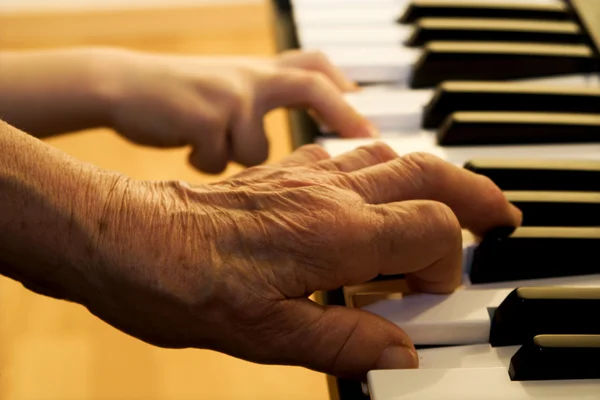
[(52, 350)]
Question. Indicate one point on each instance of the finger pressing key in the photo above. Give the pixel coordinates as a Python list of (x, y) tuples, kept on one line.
[(313, 90), (419, 238), (477, 202), (305, 155)]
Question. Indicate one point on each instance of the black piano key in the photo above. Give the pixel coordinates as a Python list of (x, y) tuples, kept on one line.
[(530, 311), (418, 9), (494, 30), (505, 128), (557, 208), (451, 97), (536, 253), (557, 357), (499, 61), (532, 174)]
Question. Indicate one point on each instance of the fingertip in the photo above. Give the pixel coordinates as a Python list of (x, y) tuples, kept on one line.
[(499, 211), (516, 214), (351, 86), (372, 130)]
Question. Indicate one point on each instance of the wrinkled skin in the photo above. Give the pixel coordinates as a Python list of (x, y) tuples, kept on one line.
[(229, 266)]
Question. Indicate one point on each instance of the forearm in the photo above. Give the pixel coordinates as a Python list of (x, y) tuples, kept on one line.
[(51, 215), (54, 91)]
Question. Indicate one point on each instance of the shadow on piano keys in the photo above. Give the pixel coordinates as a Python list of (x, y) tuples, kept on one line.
[(504, 88)]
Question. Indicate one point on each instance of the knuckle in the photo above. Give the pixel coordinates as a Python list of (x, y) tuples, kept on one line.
[(423, 162), (376, 222), (344, 180), (212, 121), (314, 152), (422, 170), (235, 93), (262, 171), (311, 79), (378, 151), (238, 98), (318, 57), (287, 55), (239, 101), (443, 218)]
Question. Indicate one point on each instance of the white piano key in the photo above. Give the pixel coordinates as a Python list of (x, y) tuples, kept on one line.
[(374, 64), (469, 356), (344, 3), (324, 4), (577, 80), (398, 109), (461, 317), (390, 35), (388, 63), (424, 141), (473, 384), (331, 5), (307, 17), (331, 13)]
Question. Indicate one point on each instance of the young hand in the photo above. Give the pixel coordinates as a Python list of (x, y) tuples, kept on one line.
[(214, 104)]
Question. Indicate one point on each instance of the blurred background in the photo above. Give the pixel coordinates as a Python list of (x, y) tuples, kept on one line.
[(53, 350)]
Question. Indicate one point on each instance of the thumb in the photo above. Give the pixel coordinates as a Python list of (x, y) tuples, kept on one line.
[(346, 342)]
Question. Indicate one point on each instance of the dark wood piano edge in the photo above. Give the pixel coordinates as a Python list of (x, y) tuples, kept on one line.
[(303, 131)]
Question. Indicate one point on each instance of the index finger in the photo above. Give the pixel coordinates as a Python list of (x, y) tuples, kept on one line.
[(289, 87), (316, 61), (477, 202)]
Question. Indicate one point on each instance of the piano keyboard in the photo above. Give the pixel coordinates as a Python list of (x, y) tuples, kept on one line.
[(509, 89), (479, 372)]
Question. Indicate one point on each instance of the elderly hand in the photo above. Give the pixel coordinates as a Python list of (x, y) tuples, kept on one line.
[(229, 266)]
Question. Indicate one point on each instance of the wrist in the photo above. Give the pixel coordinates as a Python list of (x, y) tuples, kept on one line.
[(93, 213), (151, 258), (101, 85), (52, 207)]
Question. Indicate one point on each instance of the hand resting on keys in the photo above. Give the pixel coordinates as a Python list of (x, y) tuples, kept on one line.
[(214, 104), (230, 266)]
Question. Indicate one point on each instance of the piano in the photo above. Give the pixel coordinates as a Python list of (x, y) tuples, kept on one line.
[(505, 88)]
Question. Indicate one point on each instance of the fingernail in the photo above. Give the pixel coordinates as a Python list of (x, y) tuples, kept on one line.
[(397, 357)]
